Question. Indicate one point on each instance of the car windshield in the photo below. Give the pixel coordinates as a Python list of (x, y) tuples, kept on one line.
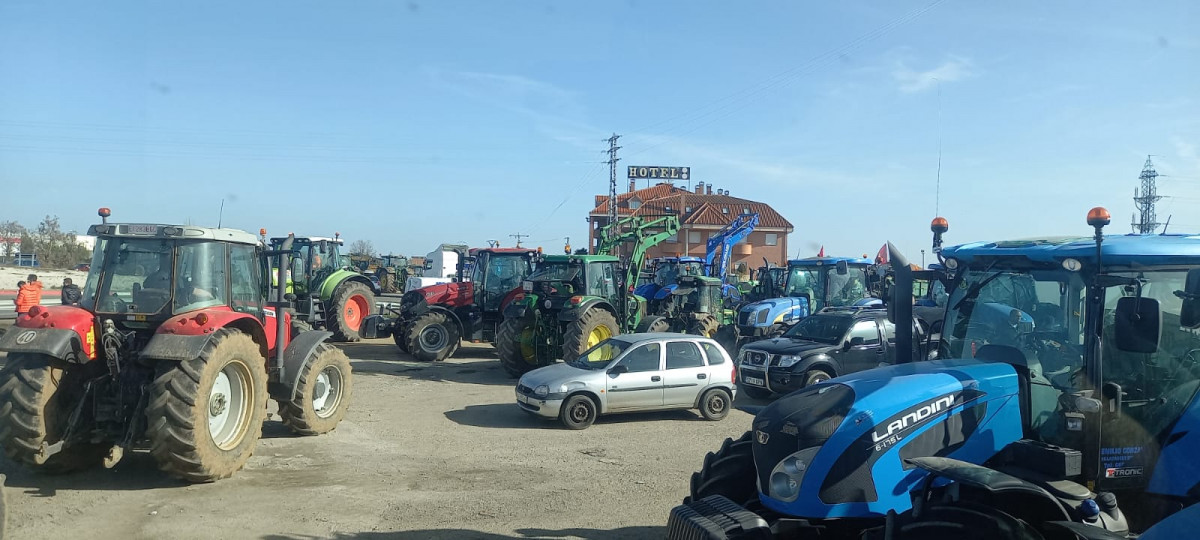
[(599, 356), (821, 328)]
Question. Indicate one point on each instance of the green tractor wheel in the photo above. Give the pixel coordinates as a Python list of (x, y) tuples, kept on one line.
[(705, 325), (351, 303), (653, 323), (587, 331), (515, 346)]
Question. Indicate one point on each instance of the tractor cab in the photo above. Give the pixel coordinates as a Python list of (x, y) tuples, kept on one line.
[(664, 272), (560, 277), (809, 285), (497, 272), (313, 260)]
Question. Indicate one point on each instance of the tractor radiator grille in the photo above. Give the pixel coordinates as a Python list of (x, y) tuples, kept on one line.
[(715, 518)]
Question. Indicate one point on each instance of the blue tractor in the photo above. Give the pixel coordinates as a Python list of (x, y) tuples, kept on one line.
[(662, 273), (811, 284), (1063, 404), (722, 242)]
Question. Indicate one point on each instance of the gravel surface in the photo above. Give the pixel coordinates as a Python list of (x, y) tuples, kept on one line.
[(427, 451)]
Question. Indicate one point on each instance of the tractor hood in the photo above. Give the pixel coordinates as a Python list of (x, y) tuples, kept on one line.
[(837, 449), (451, 295), (771, 304), (786, 345)]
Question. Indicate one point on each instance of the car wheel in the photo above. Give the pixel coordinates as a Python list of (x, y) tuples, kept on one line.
[(578, 412), (714, 404), (815, 376)]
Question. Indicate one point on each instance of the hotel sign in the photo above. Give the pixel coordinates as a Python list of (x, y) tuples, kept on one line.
[(663, 173)]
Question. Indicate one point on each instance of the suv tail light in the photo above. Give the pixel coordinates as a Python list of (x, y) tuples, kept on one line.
[(733, 374)]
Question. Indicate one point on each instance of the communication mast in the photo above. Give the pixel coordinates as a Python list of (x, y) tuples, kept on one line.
[(1144, 199)]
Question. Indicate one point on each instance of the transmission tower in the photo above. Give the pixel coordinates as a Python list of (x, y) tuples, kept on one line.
[(612, 178), (1144, 199)]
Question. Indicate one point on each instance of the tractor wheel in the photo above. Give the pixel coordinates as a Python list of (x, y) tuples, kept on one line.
[(705, 325), (729, 472), (401, 339), (727, 338), (206, 414), (323, 394), (515, 346), (351, 303), (432, 337), (37, 400), (653, 324), (591, 328)]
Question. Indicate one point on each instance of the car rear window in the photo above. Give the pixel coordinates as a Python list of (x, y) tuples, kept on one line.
[(715, 357), (683, 354)]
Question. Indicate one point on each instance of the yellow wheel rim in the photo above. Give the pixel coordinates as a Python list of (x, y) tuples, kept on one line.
[(598, 334), (525, 340)]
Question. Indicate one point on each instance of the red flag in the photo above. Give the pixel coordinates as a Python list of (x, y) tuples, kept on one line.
[(822, 252), (882, 256)]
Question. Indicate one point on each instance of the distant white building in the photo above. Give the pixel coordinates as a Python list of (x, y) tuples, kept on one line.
[(14, 241), (87, 241)]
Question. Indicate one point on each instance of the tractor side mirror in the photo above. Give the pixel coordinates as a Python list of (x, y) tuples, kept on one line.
[(1138, 324), (1189, 317), (618, 369), (842, 268)]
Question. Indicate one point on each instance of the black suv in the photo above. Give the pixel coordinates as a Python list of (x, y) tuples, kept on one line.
[(832, 342)]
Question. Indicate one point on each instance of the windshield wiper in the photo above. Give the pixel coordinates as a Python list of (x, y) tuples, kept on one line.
[(974, 290)]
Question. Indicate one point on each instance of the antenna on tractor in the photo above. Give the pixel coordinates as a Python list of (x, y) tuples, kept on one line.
[(221, 214)]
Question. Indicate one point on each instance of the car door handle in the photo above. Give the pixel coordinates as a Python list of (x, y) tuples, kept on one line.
[(655, 378), (701, 375)]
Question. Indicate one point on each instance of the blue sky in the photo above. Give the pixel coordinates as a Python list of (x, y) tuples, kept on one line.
[(413, 123)]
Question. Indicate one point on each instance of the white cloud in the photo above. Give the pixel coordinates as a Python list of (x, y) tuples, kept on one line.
[(955, 68)]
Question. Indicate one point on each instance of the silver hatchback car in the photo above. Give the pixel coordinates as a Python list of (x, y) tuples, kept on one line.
[(633, 372)]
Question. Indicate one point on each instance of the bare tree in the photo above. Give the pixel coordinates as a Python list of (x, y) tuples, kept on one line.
[(362, 247), (10, 231), (54, 248)]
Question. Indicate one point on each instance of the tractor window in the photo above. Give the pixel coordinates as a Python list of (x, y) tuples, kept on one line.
[(244, 280), (200, 278), (848, 289), (1156, 386), (805, 282), (137, 276), (601, 277)]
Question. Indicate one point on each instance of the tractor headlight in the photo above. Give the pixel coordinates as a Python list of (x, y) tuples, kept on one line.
[(527, 286), (788, 360), (762, 315), (789, 473), (541, 391)]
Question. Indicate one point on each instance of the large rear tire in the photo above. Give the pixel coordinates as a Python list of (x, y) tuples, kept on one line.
[(432, 337), (594, 326), (351, 303), (37, 398), (729, 472), (515, 346), (323, 394), (705, 325), (653, 324), (206, 414), (727, 338)]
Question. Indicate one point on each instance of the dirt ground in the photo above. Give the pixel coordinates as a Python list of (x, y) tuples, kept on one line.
[(427, 451)]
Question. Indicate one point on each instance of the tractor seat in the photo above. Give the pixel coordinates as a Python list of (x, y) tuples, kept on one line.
[(1063, 489)]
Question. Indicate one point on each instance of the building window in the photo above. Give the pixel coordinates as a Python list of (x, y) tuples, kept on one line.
[(674, 238), (688, 209), (771, 239), (668, 208), (724, 209), (694, 237), (746, 210), (634, 204)]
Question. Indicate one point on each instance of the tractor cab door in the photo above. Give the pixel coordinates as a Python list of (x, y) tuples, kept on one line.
[(1149, 380), (247, 287), (601, 280)]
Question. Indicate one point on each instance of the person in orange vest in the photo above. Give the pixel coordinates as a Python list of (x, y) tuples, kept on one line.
[(29, 295)]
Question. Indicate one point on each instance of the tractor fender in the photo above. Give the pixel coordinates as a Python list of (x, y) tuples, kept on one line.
[(450, 314), (294, 358), (568, 315), (177, 347), (517, 309), (182, 337), (336, 280), (55, 342), (664, 291)]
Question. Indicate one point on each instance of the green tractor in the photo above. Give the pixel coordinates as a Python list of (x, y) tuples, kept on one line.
[(327, 294), (573, 302), (693, 304)]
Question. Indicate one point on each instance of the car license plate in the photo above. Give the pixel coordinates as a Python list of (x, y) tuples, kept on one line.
[(522, 398), (755, 381)]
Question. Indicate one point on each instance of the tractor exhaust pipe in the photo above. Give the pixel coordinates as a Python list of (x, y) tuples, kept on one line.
[(281, 333), (900, 304)]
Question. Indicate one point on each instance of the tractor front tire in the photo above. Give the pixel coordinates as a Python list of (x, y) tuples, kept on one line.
[(514, 346), (322, 395), (34, 410), (652, 324), (206, 414), (432, 337), (351, 303), (729, 472), (594, 326), (728, 339), (705, 325)]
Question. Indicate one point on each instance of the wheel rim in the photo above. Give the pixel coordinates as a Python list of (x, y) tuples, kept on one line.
[(819, 378), (327, 392), (716, 403), (228, 410), (580, 413), (354, 310), (434, 338), (598, 334), (525, 341)]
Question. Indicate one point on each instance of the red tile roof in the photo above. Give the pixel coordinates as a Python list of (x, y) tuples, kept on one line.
[(706, 209)]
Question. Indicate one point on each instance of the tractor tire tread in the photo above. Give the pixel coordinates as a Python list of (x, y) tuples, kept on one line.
[(412, 336), (576, 337), (729, 471), (333, 313), (509, 350), (298, 414)]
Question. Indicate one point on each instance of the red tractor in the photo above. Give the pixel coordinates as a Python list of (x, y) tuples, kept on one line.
[(431, 321), (176, 346)]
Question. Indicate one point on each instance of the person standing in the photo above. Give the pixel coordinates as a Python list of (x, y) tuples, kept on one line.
[(29, 295), (70, 293)]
